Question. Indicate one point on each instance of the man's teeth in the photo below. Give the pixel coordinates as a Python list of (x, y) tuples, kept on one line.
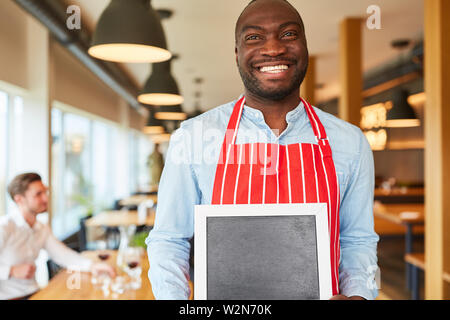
[(274, 69)]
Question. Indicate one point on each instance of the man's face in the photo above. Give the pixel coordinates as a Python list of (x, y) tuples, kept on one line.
[(35, 199), (271, 50)]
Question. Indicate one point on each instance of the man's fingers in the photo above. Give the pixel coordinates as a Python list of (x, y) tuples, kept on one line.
[(339, 297), (31, 271), (101, 267)]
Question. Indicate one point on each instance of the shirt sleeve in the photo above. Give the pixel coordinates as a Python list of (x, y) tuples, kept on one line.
[(358, 240), (5, 270), (168, 243), (64, 256)]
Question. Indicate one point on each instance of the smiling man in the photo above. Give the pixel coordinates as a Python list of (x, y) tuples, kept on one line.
[(268, 147)]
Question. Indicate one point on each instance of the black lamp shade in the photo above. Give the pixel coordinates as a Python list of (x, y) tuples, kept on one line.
[(129, 31), (401, 114), (170, 113), (153, 126), (197, 111), (161, 87)]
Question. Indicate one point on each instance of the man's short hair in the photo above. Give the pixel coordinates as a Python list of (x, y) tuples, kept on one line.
[(19, 185), (253, 1)]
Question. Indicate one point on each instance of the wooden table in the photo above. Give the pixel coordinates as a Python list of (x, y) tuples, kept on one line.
[(408, 215), (400, 192), (59, 286), (136, 200), (120, 218), (395, 213)]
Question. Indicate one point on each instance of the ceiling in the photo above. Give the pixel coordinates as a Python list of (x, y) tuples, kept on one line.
[(202, 33)]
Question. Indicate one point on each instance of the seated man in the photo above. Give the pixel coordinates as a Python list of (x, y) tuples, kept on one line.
[(22, 237)]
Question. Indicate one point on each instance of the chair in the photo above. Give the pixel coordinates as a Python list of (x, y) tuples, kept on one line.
[(82, 235), (52, 268)]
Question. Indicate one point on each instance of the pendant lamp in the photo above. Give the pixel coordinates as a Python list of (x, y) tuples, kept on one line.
[(129, 31), (198, 94), (160, 138), (401, 115), (153, 126), (196, 112), (170, 113), (161, 88)]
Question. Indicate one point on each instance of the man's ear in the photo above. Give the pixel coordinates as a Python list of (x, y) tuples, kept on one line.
[(18, 198), (236, 54)]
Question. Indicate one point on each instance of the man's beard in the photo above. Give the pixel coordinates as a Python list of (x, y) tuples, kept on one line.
[(253, 85)]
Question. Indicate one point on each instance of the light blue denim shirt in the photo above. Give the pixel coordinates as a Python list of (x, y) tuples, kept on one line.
[(188, 179)]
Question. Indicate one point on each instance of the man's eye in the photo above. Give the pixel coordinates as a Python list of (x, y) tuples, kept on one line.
[(252, 37), (289, 34)]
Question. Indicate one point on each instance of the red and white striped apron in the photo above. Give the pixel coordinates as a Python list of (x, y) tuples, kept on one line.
[(261, 173)]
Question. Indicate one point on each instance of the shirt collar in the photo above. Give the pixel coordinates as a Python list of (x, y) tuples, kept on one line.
[(257, 115), (20, 221)]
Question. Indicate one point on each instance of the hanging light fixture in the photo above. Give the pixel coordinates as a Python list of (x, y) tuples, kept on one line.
[(161, 88), (170, 113), (160, 138), (401, 115), (197, 110), (129, 31), (153, 126)]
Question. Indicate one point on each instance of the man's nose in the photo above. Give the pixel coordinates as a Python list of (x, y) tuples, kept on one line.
[(273, 47)]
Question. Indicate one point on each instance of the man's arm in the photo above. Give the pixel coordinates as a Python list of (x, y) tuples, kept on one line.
[(168, 242), (64, 256), (5, 270), (71, 259), (358, 239)]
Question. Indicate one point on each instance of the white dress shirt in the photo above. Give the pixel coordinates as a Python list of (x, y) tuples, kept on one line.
[(20, 243)]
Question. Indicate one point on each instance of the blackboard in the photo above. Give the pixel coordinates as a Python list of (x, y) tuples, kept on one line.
[(262, 252), (262, 258)]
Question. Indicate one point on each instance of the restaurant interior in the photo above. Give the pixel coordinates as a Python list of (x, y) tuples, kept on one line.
[(93, 115)]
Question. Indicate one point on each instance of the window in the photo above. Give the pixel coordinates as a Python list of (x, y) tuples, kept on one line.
[(3, 149), (140, 148), (90, 157), (144, 150), (133, 159), (103, 172), (11, 142), (72, 184), (57, 170)]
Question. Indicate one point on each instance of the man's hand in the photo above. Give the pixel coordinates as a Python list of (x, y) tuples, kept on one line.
[(23, 271), (98, 268), (342, 297)]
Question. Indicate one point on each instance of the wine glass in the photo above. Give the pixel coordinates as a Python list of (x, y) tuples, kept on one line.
[(102, 254), (132, 266), (99, 280)]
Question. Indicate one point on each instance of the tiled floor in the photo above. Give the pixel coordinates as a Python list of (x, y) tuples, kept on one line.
[(392, 266)]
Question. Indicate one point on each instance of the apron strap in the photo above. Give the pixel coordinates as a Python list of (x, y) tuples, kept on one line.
[(318, 128)]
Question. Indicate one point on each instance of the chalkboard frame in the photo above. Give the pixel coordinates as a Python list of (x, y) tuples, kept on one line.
[(318, 210)]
